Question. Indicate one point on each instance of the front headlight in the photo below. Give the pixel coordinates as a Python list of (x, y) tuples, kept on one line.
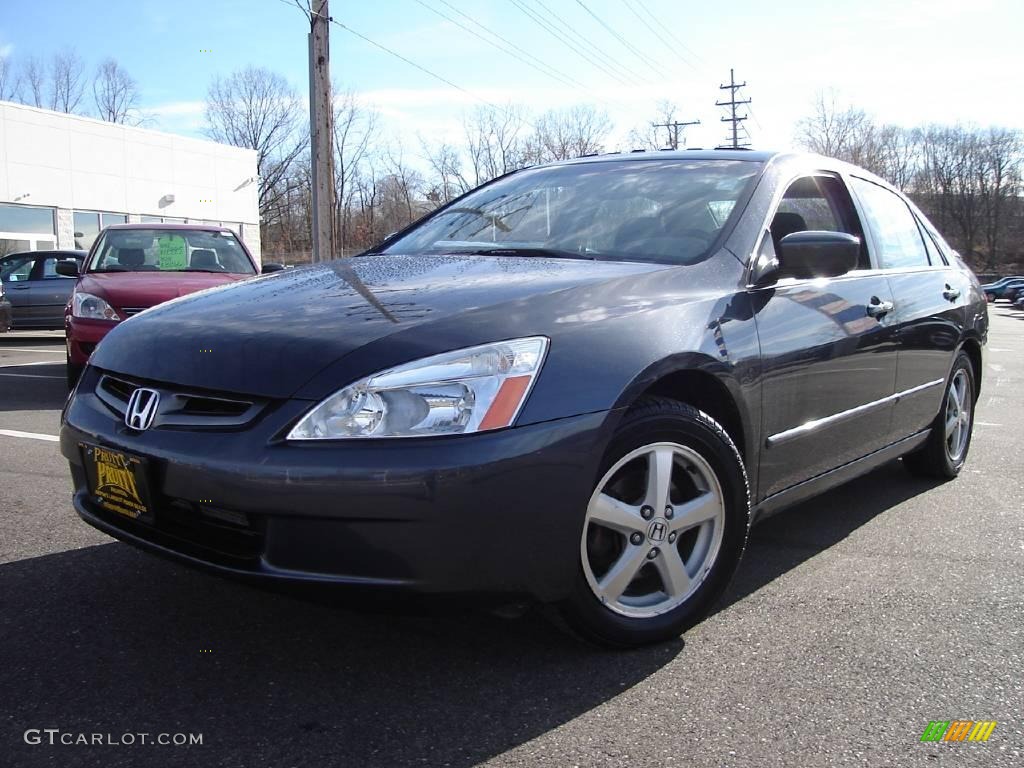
[(92, 307), (455, 393)]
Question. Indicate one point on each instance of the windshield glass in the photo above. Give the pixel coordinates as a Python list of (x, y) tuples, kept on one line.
[(169, 250), (641, 210)]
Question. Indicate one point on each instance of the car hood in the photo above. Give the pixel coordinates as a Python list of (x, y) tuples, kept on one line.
[(269, 336), (147, 289)]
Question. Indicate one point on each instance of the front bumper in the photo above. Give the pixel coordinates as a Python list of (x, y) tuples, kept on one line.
[(83, 335), (496, 513)]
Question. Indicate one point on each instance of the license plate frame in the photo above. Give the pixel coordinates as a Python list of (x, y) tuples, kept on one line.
[(118, 481)]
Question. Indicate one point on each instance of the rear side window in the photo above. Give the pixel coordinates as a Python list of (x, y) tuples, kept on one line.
[(894, 227)]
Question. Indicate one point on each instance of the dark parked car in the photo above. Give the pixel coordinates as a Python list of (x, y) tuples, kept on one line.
[(578, 383), (37, 292)]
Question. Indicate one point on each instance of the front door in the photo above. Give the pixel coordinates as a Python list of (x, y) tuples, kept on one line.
[(50, 291), (828, 348)]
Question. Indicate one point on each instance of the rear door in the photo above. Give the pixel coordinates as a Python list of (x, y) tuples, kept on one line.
[(828, 348), (50, 291), (930, 299)]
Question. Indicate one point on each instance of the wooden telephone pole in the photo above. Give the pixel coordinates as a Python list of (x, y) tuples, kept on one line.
[(321, 133)]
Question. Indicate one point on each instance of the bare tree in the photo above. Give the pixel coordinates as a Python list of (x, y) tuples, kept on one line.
[(33, 82), (843, 133), (449, 181), (647, 136), (354, 128), (10, 81), (561, 134), (67, 81), (494, 142), (257, 109), (115, 93)]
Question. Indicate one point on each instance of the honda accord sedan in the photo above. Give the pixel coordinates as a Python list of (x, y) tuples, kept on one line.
[(578, 384)]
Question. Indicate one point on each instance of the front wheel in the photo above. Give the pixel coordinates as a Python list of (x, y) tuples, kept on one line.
[(664, 530), (945, 452)]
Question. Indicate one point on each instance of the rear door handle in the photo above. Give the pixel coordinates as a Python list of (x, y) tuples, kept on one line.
[(879, 308), (951, 294)]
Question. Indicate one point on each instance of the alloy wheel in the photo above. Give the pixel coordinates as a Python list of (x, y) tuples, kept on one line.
[(653, 530), (958, 416)]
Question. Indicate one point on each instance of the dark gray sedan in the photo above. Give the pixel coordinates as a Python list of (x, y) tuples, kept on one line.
[(37, 293), (580, 383)]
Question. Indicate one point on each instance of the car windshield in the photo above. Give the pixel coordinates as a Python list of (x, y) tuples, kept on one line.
[(667, 210), (169, 250)]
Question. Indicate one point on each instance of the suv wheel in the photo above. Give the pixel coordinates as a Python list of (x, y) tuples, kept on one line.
[(664, 530)]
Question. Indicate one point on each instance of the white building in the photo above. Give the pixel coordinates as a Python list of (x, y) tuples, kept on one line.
[(64, 177)]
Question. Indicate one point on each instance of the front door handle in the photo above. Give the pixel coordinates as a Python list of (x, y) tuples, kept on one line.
[(18, 287), (879, 308), (951, 293)]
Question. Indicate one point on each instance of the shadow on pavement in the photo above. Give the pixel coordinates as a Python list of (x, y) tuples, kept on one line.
[(107, 639), (33, 387)]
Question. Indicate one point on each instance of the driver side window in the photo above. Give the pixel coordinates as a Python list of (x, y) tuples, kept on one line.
[(818, 203)]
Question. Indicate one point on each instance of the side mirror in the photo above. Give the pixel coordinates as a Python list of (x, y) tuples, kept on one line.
[(67, 267), (270, 266), (818, 254)]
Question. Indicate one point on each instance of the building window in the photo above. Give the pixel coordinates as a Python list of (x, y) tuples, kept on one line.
[(161, 220), (25, 228), (89, 223)]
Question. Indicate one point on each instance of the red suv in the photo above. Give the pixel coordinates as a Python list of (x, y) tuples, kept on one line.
[(132, 267)]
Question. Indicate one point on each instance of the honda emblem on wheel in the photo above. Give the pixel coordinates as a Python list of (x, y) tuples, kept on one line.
[(656, 532), (142, 407)]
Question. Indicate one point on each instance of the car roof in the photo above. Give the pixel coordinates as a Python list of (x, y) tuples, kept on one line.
[(158, 225), (678, 154)]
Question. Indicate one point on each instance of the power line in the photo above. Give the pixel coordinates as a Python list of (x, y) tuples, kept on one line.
[(675, 49), (636, 51), (732, 103), (554, 32), (544, 69), (668, 31)]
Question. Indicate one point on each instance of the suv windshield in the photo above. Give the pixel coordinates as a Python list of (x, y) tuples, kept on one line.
[(169, 250), (640, 210)]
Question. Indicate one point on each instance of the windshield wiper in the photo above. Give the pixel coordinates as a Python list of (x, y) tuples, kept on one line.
[(548, 253)]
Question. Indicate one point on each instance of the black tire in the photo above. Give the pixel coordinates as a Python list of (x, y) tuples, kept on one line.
[(74, 373), (933, 458), (652, 420)]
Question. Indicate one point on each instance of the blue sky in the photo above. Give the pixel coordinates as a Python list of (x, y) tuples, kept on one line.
[(905, 61)]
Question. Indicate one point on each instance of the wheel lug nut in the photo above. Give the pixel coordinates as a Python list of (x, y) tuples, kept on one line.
[(646, 512), (669, 512), (652, 554), (672, 538), (636, 538)]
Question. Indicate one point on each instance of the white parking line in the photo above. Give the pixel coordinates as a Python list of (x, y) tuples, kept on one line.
[(30, 376), (51, 350), (25, 365), (30, 435)]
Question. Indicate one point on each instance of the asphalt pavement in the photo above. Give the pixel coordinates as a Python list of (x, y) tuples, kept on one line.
[(855, 620)]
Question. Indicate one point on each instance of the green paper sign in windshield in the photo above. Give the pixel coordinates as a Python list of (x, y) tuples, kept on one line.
[(173, 252)]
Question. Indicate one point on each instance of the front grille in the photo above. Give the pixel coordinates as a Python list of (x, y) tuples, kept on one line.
[(228, 537), (180, 408)]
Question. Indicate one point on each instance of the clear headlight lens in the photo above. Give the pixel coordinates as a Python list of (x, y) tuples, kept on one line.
[(468, 390), (92, 307)]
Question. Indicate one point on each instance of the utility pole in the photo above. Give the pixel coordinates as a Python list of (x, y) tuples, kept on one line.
[(673, 130), (732, 103), (321, 134)]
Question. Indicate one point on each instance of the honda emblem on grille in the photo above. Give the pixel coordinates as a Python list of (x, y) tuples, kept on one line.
[(142, 406)]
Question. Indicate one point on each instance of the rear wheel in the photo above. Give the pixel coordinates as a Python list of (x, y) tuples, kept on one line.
[(664, 530), (946, 450)]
